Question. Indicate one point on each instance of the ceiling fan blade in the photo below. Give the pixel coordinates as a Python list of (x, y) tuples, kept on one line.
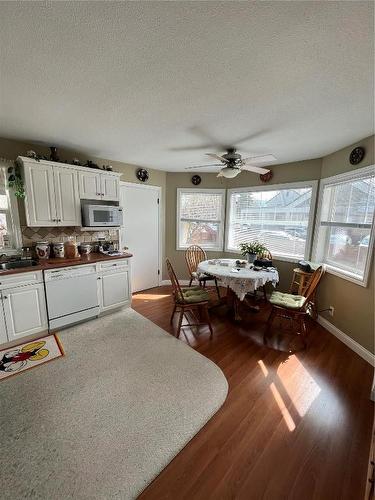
[(205, 166), (191, 148), (260, 159), (217, 157), (257, 170)]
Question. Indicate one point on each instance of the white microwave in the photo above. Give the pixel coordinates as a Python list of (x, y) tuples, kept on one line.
[(101, 215)]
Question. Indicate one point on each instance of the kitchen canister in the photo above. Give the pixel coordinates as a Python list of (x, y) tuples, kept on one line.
[(42, 249), (71, 250), (85, 248), (58, 250)]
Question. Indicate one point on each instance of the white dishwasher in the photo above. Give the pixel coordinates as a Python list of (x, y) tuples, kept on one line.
[(71, 295)]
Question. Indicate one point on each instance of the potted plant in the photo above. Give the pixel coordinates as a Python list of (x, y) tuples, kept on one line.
[(251, 250)]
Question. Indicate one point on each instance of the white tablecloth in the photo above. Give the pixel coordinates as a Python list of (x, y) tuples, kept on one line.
[(242, 282)]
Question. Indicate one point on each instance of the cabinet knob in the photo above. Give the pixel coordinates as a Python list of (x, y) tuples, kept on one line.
[(102, 194), (5, 297), (99, 278)]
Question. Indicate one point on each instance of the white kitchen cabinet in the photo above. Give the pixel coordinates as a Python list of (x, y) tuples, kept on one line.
[(24, 310), (114, 285), (89, 185), (99, 186), (52, 195), (67, 196), (40, 202), (3, 330), (110, 187)]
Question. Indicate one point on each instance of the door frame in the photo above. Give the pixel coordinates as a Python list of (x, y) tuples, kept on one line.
[(158, 189)]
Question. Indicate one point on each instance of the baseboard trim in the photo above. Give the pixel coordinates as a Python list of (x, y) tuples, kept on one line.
[(348, 341)]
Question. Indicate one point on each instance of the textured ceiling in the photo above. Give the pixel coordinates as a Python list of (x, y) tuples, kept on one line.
[(136, 81)]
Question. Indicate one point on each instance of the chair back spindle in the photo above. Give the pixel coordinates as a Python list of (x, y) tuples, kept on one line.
[(176, 288), (193, 256), (313, 284)]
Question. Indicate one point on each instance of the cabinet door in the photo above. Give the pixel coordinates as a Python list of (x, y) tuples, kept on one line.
[(110, 187), (3, 330), (25, 311), (114, 289), (89, 186), (67, 197), (40, 195)]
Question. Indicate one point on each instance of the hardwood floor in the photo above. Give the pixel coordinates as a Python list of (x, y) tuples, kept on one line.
[(294, 425)]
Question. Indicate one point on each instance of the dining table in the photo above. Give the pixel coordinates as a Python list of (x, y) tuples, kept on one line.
[(239, 277)]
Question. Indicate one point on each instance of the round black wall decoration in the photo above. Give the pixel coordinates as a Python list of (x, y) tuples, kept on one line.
[(196, 180), (142, 174), (357, 155)]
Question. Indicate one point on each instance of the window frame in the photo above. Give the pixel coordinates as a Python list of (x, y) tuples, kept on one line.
[(274, 187), (13, 223), (222, 192), (337, 271)]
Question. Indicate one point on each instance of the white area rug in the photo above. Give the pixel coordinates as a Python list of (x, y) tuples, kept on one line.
[(107, 418)]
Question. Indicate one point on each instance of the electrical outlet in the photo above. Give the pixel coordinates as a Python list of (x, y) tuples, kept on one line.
[(331, 310)]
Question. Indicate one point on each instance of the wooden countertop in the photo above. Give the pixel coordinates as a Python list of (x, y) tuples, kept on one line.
[(56, 263)]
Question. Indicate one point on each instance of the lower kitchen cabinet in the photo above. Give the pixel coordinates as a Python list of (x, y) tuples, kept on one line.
[(24, 310), (113, 289), (3, 329)]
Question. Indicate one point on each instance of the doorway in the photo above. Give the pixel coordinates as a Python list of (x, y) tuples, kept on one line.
[(140, 232)]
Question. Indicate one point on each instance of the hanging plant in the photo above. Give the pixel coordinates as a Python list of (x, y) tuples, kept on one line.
[(15, 181)]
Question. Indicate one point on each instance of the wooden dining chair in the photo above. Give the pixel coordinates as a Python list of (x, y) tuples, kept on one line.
[(193, 299), (193, 256), (295, 307)]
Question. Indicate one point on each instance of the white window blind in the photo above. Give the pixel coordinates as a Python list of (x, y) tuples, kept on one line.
[(278, 216), (344, 222), (200, 218)]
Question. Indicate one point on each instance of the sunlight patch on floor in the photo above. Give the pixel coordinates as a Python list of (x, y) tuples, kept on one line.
[(284, 410), (299, 384), (149, 296)]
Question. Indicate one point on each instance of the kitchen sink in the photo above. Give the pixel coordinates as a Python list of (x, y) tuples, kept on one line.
[(16, 264)]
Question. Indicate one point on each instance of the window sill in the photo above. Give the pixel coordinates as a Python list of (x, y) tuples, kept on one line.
[(346, 275), (206, 249)]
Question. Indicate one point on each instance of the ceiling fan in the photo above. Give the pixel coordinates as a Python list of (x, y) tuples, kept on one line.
[(232, 163)]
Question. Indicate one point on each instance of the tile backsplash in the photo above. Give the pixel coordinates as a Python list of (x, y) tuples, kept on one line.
[(30, 235)]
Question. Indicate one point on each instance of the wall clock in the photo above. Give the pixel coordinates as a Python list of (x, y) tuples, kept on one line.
[(356, 156), (196, 180), (266, 177), (142, 174)]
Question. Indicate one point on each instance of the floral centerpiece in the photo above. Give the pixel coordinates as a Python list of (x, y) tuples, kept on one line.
[(251, 250)]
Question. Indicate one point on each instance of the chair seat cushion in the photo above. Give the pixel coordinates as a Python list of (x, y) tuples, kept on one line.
[(287, 300), (194, 295)]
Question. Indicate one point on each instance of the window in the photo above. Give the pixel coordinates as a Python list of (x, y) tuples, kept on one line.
[(10, 238), (280, 216), (200, 218), (344, 229)]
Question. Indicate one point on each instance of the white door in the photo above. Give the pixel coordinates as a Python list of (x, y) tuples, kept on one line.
[(110, 185), (114, 289), (89, 186), (25, 310), (140, 232), (3, 330), (67, 197), (40, 199)]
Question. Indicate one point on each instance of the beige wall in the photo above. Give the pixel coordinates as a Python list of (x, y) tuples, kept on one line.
[(354, 304)]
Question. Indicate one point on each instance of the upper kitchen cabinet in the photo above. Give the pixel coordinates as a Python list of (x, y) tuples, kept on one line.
[(52, 194), (96, 185)]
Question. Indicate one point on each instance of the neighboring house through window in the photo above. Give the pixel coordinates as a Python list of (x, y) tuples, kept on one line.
[(344, 228), (280, 216), (200, 218)]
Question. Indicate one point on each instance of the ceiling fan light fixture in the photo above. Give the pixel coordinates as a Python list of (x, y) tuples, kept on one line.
[(229, 172)]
